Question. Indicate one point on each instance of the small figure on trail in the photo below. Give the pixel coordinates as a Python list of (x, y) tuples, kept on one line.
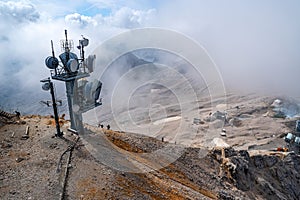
[(18, 114)]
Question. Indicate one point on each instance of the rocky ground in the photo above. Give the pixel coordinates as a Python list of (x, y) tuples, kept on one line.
[(38, 165)]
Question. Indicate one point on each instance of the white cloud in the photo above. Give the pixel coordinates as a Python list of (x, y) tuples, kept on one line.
[(124, 18), (80, 20), (18, 11), (130, 18)]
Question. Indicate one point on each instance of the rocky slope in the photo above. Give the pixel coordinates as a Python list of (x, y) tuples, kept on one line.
[(31, 168)]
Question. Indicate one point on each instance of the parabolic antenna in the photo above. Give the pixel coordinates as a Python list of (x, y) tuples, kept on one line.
[(65, 57), (96, 89), (51, 62), (92, 90), (84, 42), (72, 65), (90, 62), (46, 86)]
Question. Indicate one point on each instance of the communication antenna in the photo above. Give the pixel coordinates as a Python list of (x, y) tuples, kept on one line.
[(82, 43), (53, 54), (51, 61), (70, 69), (66, 34), (66, 45), (48, 85)]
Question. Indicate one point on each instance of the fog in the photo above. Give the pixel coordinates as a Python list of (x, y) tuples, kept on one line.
[(255, 44)]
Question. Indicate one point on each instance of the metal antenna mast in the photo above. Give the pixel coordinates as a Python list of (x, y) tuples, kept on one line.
[(72, 70), (48, 85)]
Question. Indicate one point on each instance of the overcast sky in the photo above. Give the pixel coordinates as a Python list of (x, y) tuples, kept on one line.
[(255, 44)]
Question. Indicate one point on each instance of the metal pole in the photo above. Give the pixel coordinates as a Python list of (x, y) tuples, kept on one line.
[(69, 90), (59, 134), (75, 117)]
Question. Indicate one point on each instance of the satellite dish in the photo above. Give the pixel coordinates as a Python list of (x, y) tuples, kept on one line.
[(65, 57), (72, 65), (96, 89), (90, 62), (84, 42), (51, 62), (46, 86)]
